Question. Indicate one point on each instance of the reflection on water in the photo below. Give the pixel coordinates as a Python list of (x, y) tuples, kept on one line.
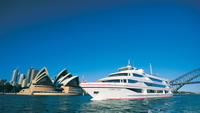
[(142, 106), (60, 104)]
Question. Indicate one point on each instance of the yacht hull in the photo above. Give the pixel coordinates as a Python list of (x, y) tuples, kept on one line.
[(119, 93)]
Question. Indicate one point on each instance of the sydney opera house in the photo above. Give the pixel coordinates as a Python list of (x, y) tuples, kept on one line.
[(42, 84)]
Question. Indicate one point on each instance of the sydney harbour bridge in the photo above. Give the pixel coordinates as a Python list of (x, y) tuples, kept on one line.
[(191, 77)]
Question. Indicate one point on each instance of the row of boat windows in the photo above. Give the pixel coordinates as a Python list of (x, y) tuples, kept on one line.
[(148, 90), (155, 85), (155, 80), (120, 74), (141, 91), (118, 81), (156, 91), (126, 74), (134, 81), (111, 81), (136, 75)]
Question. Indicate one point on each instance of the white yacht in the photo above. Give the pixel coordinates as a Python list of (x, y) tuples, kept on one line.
[(128, 83)]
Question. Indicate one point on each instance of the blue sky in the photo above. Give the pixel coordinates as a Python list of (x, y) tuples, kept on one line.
[(95, 38)]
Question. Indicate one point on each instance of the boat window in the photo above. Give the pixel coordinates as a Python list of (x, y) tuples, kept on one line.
[(96, 92), (166, 91), (137, 75), (155, 80), (132, 81), (154, 85), (135, 90), (150, 91), (166, 82), (124, 81), (120, 74), (111, 81), (160, 91)]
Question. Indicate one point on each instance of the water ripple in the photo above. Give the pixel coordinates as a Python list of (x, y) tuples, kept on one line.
[(74, 104)]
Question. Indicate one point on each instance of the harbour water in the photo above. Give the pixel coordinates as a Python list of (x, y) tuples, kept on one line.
[(71, 104)]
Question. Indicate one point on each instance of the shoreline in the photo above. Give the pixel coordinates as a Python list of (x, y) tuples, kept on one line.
[(45, 94)]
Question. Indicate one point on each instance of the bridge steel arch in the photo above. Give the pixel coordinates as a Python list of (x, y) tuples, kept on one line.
[(179, 82)]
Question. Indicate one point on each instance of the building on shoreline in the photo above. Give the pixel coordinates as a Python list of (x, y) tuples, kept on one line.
[(31, 73), (28, 77), (14, 77), (24, 83), (41, 84), (65, 84), (22, 76), (34, 72)]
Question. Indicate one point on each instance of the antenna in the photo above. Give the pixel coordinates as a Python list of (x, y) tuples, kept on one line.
[(128, 62), (83, 79), (150, 69)]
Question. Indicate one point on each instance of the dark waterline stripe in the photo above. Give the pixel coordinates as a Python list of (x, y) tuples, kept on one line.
[(137, 98)]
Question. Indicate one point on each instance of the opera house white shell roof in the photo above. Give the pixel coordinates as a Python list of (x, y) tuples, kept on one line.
[(42, 78), (66, 79)]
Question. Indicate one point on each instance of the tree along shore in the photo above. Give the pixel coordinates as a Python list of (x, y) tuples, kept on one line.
[(8, 88)]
